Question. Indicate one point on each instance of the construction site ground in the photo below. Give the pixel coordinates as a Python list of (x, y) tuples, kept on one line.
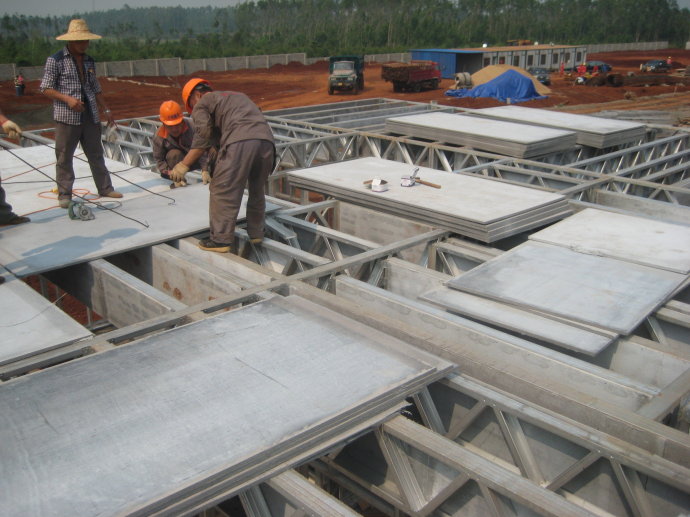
[(284, 86)]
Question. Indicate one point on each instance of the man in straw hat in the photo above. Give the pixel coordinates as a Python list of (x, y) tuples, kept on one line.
[(70, 81)]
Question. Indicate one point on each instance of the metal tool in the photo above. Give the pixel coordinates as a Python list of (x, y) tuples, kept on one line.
[(79, 211), (410, 181), (377, 185)]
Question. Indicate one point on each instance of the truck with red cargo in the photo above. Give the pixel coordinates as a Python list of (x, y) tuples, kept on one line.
[(413, 76)]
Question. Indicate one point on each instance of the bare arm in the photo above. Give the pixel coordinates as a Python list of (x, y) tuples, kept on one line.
[(104, 107)]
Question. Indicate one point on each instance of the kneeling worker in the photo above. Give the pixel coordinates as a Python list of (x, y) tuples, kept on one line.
[(173, 141), (232, 123)]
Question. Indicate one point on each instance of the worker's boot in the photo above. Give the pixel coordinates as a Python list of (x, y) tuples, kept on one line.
[(218, 247)]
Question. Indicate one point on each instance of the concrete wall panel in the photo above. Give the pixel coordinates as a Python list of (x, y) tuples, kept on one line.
[(193, 65)]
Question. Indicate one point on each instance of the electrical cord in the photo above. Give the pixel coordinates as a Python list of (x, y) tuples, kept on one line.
[(99, 205), (35, 315)]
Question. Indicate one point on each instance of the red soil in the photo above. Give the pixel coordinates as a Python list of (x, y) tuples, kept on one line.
[(284, 86)]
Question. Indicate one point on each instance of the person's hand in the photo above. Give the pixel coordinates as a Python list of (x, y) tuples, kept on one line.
[(205, 177), (12, 129), (109, 117), (178, 172), (75, 104)]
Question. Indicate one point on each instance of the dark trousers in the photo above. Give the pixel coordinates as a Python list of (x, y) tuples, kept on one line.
[(88, 134), (6, 212), (248, 162), (172, 158)]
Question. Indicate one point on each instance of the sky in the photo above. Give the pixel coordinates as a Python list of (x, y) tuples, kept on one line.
[(69, 7)]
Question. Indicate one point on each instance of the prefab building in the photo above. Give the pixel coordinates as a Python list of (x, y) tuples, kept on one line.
[(471, 60)]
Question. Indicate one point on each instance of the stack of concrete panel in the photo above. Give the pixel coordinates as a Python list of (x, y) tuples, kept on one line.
[(166, 424), (591, 131), (604, 292), (468, 205), (496, 136), (579, 283)]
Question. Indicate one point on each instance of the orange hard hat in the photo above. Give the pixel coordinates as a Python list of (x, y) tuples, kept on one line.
[(189, 88), (170, 113)]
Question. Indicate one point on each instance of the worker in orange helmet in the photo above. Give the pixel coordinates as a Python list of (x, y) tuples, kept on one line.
[(231, 123), (172, 142)]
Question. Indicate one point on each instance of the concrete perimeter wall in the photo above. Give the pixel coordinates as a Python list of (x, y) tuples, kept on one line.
[(176, 66), (620, 47)]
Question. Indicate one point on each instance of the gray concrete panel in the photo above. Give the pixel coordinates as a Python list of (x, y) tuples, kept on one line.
[(216, 64), (634, 239), (601, 291), (138, 428), (469, 198), (145, 67), (27, 177), (559, 333), (59, 241), (497, 136), (170, 66), (30, 324), (593, 131)]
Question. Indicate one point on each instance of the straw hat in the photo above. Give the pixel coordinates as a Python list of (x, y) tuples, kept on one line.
[(78, 31)]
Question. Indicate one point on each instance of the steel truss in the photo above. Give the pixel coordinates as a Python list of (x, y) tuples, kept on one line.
[(482, 451), (486, 453), (656, 168)]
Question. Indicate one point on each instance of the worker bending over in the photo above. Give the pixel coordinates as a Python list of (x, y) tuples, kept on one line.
[(234, 125), (173, 141)]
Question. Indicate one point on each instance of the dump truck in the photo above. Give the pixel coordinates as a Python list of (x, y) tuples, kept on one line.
[(346, 73), (414, 76)]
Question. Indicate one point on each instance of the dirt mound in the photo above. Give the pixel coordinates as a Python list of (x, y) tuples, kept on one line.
[(488, 73)]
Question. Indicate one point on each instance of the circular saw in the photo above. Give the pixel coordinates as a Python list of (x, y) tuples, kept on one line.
[(79, 211)]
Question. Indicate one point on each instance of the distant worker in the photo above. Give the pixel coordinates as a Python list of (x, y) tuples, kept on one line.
[(19, 84), (70, 81), (235, 126), (595, 70), (669, 61), (7, 216), (173, 140), (582, 69), (561, 68)]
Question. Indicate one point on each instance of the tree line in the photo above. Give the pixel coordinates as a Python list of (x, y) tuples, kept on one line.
[(326, 27)]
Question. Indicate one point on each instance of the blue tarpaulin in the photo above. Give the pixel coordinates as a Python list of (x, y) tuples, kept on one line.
[(509, 85)]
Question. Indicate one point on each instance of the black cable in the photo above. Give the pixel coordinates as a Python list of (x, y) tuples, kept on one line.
[(173, 201), (101, 206)]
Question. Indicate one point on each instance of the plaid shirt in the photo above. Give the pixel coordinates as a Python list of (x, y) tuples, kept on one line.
[(61, 74)]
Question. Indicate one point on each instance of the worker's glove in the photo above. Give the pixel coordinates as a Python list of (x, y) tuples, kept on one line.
[(178, 172), (12, 129), (205, 177)]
